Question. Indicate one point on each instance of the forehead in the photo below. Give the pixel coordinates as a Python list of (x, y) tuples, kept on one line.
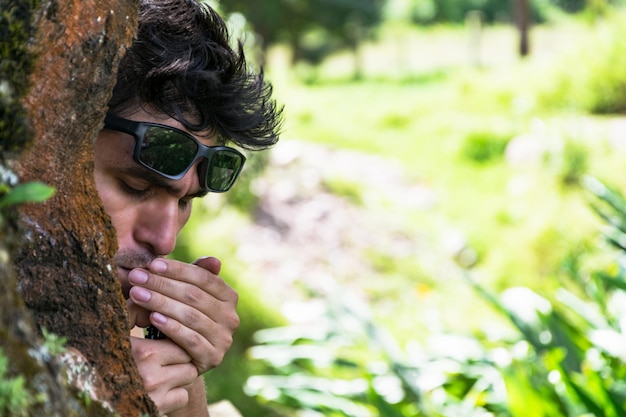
[(146, 113), (143, 115)]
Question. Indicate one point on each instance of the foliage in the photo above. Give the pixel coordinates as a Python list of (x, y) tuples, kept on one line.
[(16, 63), (564, 357), (11, 194), (533, 237), (14, 396), (456, 11), (240, 195), (54, 343), (313, 29), (483, 147), (599, 85), (32, 192)]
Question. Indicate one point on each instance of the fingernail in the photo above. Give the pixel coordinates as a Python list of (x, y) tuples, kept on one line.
[(140, 294), (158, 266), (137, 276), (159, 318)]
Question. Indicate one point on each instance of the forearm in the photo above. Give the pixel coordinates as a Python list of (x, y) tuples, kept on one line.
[(197, 405)]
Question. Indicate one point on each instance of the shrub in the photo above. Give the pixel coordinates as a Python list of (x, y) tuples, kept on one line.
[(563, 356), (483, 147), (594, 78)]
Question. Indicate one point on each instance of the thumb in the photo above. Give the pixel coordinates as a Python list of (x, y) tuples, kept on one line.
[(137, 316), (209, 263)]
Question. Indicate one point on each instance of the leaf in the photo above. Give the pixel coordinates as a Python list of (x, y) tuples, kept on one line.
[(31, 192)]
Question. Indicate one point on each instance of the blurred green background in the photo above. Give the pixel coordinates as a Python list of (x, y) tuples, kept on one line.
[(422, 241)]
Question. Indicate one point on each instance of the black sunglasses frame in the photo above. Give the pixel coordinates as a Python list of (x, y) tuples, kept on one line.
[(138, 131)]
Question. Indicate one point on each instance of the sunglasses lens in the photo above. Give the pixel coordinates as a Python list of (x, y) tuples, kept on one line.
[(167, 151), (223, 169)]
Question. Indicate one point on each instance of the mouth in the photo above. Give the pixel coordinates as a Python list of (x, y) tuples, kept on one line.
[(126, 260)]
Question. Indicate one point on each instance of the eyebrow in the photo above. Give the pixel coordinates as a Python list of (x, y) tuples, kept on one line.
[(159, 181)]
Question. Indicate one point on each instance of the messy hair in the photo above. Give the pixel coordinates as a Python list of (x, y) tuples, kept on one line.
[(182, 64)]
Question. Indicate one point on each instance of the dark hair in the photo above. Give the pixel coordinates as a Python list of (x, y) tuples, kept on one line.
[(182, 64)]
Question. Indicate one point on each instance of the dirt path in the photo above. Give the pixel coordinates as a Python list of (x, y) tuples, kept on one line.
[(304, 235)]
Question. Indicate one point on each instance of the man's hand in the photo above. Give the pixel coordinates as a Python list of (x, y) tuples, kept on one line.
[(190, 304), (167, 372)]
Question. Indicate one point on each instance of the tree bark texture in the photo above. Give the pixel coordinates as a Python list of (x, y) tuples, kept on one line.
[(63, 251)]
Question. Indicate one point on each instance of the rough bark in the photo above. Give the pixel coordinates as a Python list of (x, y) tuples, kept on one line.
[(63, 250)]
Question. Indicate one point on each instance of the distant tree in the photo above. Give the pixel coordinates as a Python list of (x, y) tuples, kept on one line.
[(345, 23), (313, 28), (522, 21), (272, 21)]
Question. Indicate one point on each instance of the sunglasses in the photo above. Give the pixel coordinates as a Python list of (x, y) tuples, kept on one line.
[(170, 152)]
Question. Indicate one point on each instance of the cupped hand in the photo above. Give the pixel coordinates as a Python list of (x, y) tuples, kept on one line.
[(190, 304), (166, 370)]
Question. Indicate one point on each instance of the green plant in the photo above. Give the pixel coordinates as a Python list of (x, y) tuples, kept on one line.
[(14, 396), (483, 147), (21, 193), (346, 365), (53, 342), (599, 85), (563, 356), (24, 193), (241, 195)]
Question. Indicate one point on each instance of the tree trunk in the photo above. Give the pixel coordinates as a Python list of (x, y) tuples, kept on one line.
[(522, 17), (61, 71)]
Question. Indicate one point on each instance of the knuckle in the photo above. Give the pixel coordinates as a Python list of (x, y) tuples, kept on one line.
[(158, 282), (141, 352), (193, 296), (192, 316), (173, 327), (227, 342), (223, 343), (234, 322), (150, 382), (159, 302), (214, 359), (196, 339), (179, 397)]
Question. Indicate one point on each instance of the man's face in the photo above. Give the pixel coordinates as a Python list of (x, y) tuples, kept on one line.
[(147, 210)]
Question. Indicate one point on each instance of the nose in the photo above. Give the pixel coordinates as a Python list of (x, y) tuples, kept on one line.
[(158, 227)]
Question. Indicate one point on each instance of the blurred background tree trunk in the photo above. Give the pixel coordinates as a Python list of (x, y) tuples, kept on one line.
[(522, 20), (56, 75)]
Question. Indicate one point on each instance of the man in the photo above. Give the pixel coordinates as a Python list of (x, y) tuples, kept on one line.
[(182, 93)]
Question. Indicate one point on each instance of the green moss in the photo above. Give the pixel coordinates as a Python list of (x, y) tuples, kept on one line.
[(16, 64), (14, 397)]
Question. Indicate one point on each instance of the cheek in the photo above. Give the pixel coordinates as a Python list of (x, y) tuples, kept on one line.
[(122, 214), (115, 205), (183, 218)]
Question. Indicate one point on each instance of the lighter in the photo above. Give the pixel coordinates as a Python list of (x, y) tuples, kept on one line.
[(154, 333)]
